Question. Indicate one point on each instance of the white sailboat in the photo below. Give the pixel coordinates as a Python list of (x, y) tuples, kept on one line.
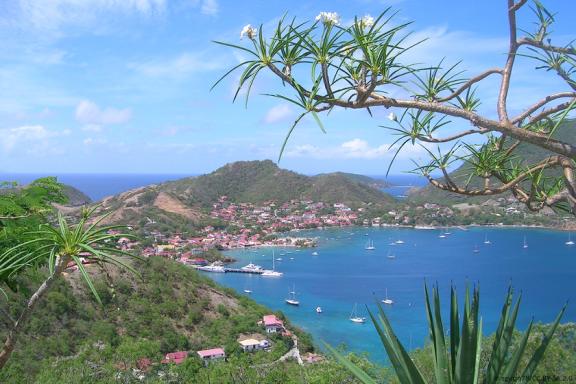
[(387, 300), (525, 245), (390, 255), (318, 309), (569, 242), (273, 272), (370, 246), (291, 299), (354, 316), (486, 241)]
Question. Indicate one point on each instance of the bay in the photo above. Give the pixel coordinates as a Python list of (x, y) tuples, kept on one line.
[(344, 273)]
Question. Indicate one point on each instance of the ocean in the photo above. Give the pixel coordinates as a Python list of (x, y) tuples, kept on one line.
[(344, 273)]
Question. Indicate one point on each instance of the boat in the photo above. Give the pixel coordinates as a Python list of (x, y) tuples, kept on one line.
[(476, 249), (569, 242), (370, 246), (390, 255), (486, 241), (273, 272), (387, 300), (252, 267), (399, 242), (318, 309), (354, 316), (525, 245), (212, 268), (291, 299), (278, 259), (442, 236), (248, 291), (314, 253)]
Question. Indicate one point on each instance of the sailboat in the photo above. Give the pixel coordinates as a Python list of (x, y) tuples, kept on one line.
[(292, 297), (569, 242), (390, 255), (354, 316), (486, 241), (476, 249), (387, 300), (525, 245), (370, 246), (273, 272)]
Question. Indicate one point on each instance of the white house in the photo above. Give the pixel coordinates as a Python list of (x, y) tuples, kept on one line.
[(250, 345)]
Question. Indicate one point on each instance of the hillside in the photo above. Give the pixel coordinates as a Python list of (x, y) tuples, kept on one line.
[(172, 308), (530, 153), (184, 202), (75, 196)]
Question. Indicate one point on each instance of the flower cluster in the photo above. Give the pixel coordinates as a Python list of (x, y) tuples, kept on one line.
[(248, 31), (328, 18), (366, 22)]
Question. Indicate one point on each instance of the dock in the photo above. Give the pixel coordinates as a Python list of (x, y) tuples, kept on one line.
[(238, 270)]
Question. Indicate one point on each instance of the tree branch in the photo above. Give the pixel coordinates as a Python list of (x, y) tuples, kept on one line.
[(471, 82), (507, 71), (540, 104), (430, 139), (546, 47)]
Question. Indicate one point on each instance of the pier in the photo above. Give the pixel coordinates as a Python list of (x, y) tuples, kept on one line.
[(238, 270)]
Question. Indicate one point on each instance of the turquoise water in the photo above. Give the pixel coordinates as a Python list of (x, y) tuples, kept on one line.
[(344, 273)]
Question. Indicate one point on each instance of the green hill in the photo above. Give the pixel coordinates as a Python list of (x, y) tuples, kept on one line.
[(528, 152), (71, 339), (185, 202)]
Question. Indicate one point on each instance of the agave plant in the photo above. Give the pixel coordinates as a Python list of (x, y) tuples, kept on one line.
[(458, 361), (56, 247)]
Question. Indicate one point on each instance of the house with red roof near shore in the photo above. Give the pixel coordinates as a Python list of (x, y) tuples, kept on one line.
[(209, 355), (272, 324), (175, 357)]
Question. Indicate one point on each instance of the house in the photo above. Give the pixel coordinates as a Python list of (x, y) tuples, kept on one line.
[(175, 357), (272, 324), (213, 354), (251, 345)]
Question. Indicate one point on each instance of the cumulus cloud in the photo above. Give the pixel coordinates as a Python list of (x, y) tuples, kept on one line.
[(11, 138), (278, 113), (183, 64), (354, 149), (93, 116)]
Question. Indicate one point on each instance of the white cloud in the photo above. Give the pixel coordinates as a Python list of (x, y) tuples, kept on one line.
[(356, 149), (92, 141), (92, 115), (92, 128), (53, 14), (11, 138), (181, 65), (209, 7), (278, 113)]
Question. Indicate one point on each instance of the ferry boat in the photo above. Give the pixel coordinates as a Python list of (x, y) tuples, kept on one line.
[(354, 316)]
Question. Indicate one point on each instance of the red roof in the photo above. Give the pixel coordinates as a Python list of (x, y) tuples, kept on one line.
[(175, 357), (210, 352), (272, 320)]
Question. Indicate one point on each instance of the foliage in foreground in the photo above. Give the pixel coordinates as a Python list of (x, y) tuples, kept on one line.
[(458, 359)]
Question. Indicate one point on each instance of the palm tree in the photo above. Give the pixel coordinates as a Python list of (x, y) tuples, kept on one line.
[(56, 247), (458, 363)]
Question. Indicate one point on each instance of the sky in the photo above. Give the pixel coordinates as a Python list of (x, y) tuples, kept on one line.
[(123, 86)]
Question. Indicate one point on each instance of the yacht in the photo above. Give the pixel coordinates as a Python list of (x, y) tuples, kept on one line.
[(212, 268), (525, 245), (486, 241), (387, 300), (370, 246), (354, 316), (273, 272), (569, 242), (252, 267), (291, 299), (399, 242), (318, 309), (248, 291)]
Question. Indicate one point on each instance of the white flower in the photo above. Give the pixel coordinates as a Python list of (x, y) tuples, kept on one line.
[(392, 116), (367, 21), (328, 18), (248, 31)]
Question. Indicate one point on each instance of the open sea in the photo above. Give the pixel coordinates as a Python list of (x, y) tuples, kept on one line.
[(344, 273)]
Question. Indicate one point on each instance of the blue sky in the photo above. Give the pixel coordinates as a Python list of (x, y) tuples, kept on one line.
[(122, 86)]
